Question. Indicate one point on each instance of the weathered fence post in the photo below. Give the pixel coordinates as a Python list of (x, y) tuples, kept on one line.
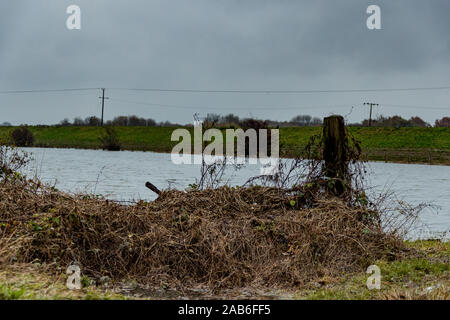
[(153, 188), (335, 151)]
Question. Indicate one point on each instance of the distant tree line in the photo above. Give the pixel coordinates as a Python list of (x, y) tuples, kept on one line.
[(396, 122), (211, 118), (123, 121), (232, 120)]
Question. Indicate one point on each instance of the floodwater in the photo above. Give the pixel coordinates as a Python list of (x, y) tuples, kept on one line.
[(122, 175)]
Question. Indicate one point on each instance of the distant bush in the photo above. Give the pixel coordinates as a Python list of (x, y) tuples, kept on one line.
[(22, 137), (65, 123), (132, 121), (110, 140), (254, 124), (92, 121), (230, 119), (212, 119), (78, 122), (444, 122), (396, 122)]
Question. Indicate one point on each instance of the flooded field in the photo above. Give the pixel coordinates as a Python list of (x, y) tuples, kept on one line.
[(122, 175)]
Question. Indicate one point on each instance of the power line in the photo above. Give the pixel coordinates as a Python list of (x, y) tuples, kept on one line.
[(270, 91), (224, 107), (415, 107), (47, 90), (284, 91), (240, 92), (233, 91)]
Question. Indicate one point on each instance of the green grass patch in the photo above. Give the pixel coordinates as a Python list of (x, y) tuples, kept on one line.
[(385, 144), (426, 277), (29, 282)]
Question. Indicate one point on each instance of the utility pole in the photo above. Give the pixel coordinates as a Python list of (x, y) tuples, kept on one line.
[(371, 105), (103, 104)]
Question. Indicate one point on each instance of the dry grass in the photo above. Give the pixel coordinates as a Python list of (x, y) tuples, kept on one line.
[(221, 238)]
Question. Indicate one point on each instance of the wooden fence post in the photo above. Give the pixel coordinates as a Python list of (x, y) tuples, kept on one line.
[(153, 188), (335, 151)]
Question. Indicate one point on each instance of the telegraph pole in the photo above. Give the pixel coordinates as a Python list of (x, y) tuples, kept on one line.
[(103, 104), (371, 105)]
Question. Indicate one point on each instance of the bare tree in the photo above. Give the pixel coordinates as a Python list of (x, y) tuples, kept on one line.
[(302, 120), (78, 122), (92, 121), (65, 122)]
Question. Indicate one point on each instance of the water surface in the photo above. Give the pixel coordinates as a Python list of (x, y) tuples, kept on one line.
[(122, 176)]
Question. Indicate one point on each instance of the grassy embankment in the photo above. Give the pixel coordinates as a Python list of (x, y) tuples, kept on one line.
[(415, 145), (425, 277)]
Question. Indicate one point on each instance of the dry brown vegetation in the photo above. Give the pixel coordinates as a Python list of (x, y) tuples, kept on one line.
[(225, 237)]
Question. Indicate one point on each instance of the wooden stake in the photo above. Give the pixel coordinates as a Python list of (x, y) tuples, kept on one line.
[(153, 188), (335, 150)]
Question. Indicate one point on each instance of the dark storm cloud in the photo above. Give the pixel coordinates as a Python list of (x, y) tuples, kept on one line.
[(205, 44)]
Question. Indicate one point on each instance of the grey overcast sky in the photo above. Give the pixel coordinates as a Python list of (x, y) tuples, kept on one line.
[(224, 45)]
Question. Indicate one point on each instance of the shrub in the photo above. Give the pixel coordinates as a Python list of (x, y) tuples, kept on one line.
[(444, 122), (22, 137), (110, 140), (257, 236), (11, 161)]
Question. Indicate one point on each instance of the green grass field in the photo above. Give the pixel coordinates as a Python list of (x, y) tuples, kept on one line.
[(415, 145)]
